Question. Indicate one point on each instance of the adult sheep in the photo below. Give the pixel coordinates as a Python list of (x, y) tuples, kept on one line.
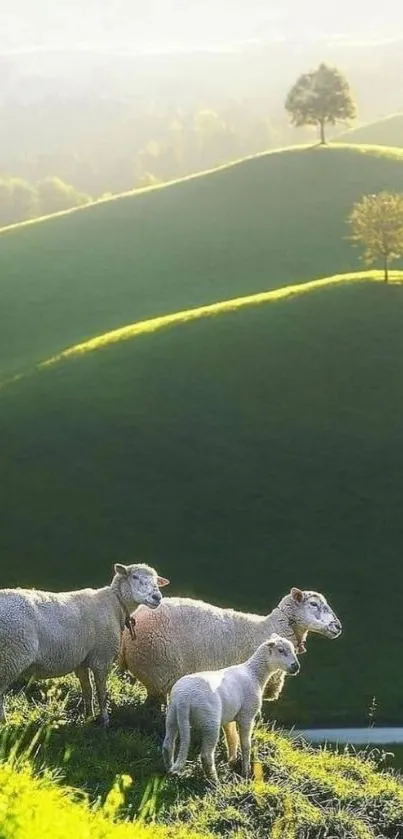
[(186, 636), (45, 634)]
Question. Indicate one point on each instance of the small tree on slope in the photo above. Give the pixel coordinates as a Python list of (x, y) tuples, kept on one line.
[(377, 223), (321, 97)]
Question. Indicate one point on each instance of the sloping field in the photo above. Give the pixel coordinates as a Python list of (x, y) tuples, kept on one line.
[(243, 454), (263, 223), (384, 132)]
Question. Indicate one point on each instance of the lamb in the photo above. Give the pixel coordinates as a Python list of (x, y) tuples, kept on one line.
[(218, 698), (45, 634), (185, 636)]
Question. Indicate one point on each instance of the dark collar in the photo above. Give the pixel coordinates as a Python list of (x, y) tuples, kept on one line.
[(130, 621)]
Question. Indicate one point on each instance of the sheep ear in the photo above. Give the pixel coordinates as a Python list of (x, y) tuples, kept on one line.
[(120, 569), (297, 595), (162, 581), (271, 643)]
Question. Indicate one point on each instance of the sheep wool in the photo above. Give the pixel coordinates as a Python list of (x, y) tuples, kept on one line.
[(230, 697), (186, 636), (45, 634)]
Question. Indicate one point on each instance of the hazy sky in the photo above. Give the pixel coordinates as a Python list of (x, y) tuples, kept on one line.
[(137, 23)]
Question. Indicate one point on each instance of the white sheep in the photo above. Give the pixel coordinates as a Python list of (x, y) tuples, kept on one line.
[(187, 636), (233, 695), (45, 634)]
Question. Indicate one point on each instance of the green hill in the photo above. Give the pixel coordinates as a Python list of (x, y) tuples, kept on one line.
[(242, 453), (383, 132), (258, 224)]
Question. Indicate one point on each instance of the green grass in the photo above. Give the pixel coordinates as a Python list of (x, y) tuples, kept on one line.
[(263, 223), (383, 132), (61, 777), (241, 454), (134, 330)]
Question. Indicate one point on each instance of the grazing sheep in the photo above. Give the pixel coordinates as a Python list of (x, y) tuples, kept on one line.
[(207, 701), (45, 634), (187, 636)]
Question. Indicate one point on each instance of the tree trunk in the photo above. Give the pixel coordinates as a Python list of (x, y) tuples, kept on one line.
[(322, 132), (386, 268)]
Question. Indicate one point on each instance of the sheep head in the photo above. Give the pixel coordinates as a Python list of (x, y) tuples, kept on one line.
[(138, 585), (281, 654), (309, 611)]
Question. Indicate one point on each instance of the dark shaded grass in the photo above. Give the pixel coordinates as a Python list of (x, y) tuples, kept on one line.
[(267, 222), (242, 455)]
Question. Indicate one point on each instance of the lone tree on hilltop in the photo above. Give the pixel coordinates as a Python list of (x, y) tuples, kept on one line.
[(377, 223), (321, 97)]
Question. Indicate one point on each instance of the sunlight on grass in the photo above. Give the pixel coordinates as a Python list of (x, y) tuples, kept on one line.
[(49, 781), (153, 324)]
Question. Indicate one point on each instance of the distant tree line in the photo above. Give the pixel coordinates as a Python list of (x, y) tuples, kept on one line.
[(112, 146), (20, 200)]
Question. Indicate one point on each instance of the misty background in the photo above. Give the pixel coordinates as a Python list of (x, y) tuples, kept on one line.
[(98, 98)]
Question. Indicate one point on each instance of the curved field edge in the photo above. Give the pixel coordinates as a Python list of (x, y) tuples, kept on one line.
[(391, 152), (138, 328)]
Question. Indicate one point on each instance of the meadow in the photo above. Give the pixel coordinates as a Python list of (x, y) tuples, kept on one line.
[(199, 377), (263, 223), (240, 453)]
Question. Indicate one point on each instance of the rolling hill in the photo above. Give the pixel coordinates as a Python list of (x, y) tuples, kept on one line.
[(383, 132), (258, 224), (242, 453)]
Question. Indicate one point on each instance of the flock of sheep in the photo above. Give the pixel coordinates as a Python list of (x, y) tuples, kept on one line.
[(213, 666)]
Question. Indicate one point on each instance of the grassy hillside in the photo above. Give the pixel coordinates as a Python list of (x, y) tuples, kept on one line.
[(295, 791), (259, 224), (384, 132), (242, 454)]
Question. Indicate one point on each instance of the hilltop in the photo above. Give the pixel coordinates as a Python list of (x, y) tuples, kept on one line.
[(242, 452), (383, 132), (262, 223)]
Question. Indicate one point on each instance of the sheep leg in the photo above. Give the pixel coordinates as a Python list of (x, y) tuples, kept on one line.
[(13, 666), (100, 676), (210, 739), (245, 732), (168, 746), (183, 723), (83, 675), (232, 739)]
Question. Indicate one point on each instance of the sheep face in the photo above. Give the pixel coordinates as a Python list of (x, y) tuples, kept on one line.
[(281, 655), (140, 584), (312, 613)]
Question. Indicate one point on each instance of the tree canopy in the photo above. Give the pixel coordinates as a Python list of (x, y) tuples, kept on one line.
[(377, 224), (321, 97)]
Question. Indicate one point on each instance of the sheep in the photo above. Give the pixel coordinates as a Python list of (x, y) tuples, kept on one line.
[(218, 698), (185, 636), (46, 634)]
